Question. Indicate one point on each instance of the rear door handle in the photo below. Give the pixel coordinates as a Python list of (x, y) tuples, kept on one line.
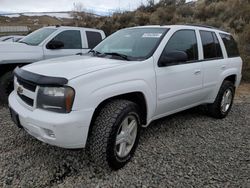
[(196, 72)]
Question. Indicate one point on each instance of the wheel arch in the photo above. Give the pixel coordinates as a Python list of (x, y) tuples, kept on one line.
[(136, 97), (229, 76), (232, 78)]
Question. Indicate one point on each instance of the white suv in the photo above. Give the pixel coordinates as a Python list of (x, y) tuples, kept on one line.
[(137, 75)]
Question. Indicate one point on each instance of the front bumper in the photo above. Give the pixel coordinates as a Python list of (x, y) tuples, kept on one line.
[(62, 130)]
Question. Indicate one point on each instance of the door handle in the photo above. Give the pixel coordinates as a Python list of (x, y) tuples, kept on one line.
[(196, 72), (223, 67)]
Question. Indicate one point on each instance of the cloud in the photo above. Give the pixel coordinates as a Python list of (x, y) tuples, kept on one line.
[(66, 5)]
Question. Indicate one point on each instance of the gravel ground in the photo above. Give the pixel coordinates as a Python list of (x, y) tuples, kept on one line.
[(184, 150)]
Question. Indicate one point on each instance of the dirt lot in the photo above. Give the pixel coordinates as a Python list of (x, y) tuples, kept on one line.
[(184, 150)]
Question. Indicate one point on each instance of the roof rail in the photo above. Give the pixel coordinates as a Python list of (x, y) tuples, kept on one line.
[(205, 26)]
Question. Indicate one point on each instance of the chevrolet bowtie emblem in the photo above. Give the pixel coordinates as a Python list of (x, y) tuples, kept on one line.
[(20, 89)]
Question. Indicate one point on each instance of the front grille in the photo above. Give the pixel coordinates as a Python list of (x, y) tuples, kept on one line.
[(25, 90), (27, 100), (27, 85)]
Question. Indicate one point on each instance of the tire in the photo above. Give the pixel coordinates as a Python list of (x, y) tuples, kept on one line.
[(6, 86), (217, 110), (103, 146)]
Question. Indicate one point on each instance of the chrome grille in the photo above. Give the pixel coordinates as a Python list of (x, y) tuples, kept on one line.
[(27, 85), (26, 91)]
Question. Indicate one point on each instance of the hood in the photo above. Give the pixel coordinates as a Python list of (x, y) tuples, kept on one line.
[(14, 52), (72, 66), (15, 47)]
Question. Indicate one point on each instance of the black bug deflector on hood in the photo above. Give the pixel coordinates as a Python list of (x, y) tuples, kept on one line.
[(39, 79)]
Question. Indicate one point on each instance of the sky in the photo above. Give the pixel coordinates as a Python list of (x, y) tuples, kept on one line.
[(19, 6)]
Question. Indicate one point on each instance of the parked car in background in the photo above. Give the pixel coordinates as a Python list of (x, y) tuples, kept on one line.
[(137, 75), (11, 38), (45, 43)]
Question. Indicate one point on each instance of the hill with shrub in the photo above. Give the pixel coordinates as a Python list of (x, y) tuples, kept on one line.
[(229, 15)]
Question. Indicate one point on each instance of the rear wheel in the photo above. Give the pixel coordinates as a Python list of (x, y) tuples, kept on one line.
[(115, 134), (223, 102), (6, 86)]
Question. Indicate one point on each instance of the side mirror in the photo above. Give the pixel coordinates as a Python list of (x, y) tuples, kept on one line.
[(172, 58), (55, 44)]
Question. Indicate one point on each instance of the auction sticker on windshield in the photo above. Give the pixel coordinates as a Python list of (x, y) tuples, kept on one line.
[(151, 35)]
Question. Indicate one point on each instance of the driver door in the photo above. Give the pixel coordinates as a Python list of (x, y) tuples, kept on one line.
[(72, 44), (179, 85)]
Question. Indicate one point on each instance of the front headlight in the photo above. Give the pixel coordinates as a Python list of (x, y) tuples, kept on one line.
[(56, 99)]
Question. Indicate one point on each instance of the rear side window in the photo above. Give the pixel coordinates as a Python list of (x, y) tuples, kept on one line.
[(184, 40), (71, 39), (230, 44), (94, 38), (211, 45)]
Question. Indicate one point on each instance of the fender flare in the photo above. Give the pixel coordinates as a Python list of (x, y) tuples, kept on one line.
[(109, 91)]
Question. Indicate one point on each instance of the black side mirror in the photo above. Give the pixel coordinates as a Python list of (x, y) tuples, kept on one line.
[(172, 58), (55, 44)]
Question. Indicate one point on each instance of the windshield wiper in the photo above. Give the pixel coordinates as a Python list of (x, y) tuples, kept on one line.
[(118, 54), (23, 42)]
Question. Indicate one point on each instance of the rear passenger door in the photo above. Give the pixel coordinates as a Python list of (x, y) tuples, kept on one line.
[(213, 62), (179, 85), (72, 41)]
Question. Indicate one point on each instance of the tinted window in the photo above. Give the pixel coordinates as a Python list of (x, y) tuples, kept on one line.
[(94, 38), (184, 40), (230, 44), (71, 39), (211, 46)]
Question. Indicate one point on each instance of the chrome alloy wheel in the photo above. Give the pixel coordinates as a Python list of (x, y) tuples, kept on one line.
[(227, 100), (126, 136)]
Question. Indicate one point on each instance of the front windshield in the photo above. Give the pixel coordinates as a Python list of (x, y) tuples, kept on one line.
[(37, 37), (135, 43)]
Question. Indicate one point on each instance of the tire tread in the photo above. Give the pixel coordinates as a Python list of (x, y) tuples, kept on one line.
[(214, 108), (97, 143)]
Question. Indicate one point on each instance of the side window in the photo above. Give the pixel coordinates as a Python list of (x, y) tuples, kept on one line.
[(71, 39), (211, 45), (94, 38), (230, 44), (183, 40)]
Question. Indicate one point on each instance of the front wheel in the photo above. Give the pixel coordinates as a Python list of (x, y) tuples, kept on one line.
[(223, 102), (115, 134)]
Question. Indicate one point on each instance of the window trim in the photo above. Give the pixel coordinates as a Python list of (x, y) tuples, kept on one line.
[(182, 63), (212, 58), (216, 37)]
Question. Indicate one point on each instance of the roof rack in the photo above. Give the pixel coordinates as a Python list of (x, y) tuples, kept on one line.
[(205, 26)]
